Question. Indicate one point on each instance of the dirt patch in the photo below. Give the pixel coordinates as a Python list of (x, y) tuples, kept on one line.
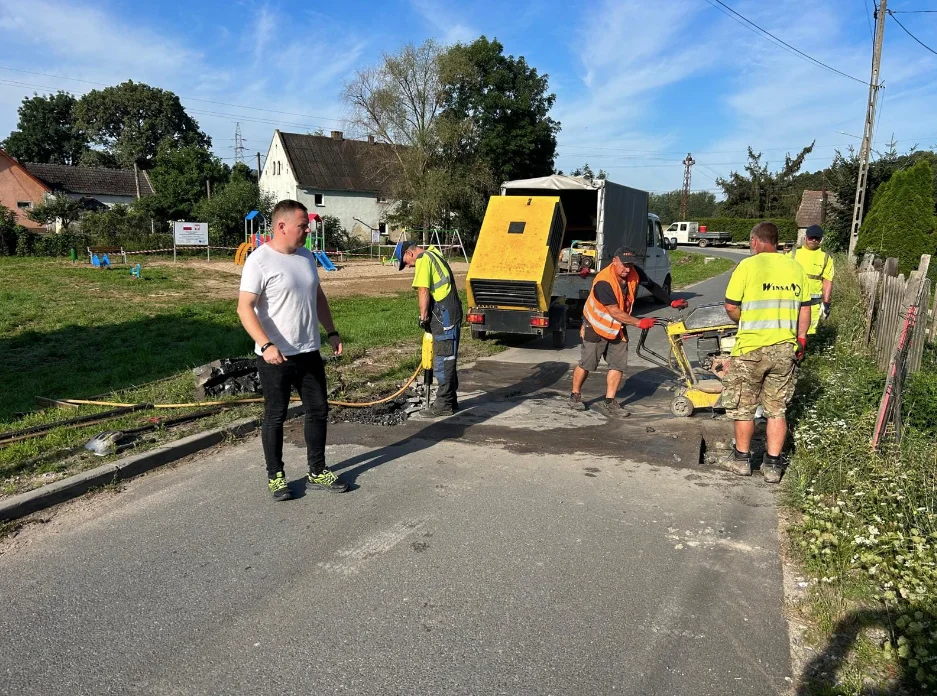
[(220, 279)]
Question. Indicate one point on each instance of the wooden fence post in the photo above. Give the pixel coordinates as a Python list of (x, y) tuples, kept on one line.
[(891, 266)]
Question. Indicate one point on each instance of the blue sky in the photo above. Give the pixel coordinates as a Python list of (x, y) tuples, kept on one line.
[(638, 84)]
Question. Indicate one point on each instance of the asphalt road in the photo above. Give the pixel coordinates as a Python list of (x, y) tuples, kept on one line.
[(520, 548)]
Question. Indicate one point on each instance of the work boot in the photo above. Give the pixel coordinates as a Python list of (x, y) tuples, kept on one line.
[(772, 468), (435, 410), (575, 402), (278, 486), (613, 409), (326, 480), (738, 463)]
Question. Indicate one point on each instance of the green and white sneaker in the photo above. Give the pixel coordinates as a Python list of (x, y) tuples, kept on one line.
[(279, 487), (326, 481)]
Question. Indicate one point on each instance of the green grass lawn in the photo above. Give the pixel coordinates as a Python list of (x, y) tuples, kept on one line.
[(71, 331), (687, 267)]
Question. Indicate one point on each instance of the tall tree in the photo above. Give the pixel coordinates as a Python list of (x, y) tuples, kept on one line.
[(700, 204), (180, 179), (133, 121), (586, 172), (504, 105), (224, 211), (47, 132), (399, 101), (759, 193)]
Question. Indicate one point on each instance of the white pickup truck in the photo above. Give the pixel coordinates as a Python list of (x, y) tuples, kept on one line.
[(684, 232)]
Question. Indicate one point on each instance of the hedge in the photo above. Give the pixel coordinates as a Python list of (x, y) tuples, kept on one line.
[(741, 228), (901, 220), (26, 243)]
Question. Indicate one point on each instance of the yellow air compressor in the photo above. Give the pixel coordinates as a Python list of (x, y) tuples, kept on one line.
[(510, 279)]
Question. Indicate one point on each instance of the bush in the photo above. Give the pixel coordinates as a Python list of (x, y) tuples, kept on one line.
[(901, 221), (336, 236), (9, 231), (120, 225), (741, 228)]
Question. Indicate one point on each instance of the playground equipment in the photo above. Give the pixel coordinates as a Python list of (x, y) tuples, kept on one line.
[(315, 240), (135, 272), (100, 262)]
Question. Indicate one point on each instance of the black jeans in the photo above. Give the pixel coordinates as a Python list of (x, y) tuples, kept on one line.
[(305, 372)]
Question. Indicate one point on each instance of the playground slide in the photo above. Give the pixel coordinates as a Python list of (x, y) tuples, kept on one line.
[(324, 260)]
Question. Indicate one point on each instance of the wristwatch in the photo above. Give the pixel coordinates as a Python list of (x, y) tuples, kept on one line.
[(263, 348), (332, 333)]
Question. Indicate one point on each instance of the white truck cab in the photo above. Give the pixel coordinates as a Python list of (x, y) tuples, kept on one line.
[(657, 263)]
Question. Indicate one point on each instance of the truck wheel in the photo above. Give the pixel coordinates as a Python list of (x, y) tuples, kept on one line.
[(588, 262), (668, 285), (703, 243), (681, 407), (479, 335), (559, 338)]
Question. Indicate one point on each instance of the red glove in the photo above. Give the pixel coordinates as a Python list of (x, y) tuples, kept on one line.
[(679, 304), (645, 323), (802, 342)]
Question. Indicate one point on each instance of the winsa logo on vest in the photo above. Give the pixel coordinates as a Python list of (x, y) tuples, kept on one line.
[(793, 287)]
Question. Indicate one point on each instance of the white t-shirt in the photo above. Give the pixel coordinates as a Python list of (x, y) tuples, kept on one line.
[(286, 286)]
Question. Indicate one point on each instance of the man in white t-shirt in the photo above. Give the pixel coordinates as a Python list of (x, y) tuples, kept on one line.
[(280, 305)]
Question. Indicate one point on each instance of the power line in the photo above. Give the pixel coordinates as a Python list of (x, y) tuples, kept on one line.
[(205, 101), (912, 12), (910, 34), (781, 42), (868, 19)]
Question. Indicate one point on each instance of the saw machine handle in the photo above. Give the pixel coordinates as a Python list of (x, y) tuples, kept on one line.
[(652, 356)]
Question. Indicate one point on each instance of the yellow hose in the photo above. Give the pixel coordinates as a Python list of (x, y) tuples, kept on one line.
[(345, 404)]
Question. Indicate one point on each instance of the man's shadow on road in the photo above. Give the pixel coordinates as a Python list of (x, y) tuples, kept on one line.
[(469, 415)]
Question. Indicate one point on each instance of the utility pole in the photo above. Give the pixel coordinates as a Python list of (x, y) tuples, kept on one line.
[(687, 164), (258, 167), (866, 147)]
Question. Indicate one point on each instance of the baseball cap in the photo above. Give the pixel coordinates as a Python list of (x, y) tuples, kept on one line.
[(814, 232), (399, 251), (625, 255)]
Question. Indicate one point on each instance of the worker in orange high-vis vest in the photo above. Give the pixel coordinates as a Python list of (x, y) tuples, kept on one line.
[(606, 314)]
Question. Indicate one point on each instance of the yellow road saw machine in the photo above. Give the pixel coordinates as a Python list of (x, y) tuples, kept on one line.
[(699, 386)]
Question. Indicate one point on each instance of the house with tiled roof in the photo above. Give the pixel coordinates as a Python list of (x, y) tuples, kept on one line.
[(814, 209), (333, 175), (23, 185)]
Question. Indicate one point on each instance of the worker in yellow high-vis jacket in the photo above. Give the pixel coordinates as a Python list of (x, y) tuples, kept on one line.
[(818, 265), (767, 296)]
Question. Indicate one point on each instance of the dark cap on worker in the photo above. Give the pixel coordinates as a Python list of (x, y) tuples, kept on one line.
[(625, 255), (814, 232), (399, 251)]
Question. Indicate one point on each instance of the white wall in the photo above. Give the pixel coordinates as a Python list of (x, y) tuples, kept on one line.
[(276, 178), (346, 206)]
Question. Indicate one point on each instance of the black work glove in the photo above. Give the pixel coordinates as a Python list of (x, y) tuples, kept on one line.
[(425, 325)]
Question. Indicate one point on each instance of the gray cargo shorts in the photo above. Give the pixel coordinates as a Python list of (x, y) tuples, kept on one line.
[(614, 352)]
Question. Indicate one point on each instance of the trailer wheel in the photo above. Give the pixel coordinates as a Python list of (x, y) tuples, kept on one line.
[(681, 407), (668, 285), (703, 243), (479, 335)]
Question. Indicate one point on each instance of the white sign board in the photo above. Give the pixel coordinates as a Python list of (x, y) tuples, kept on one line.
[(190, 233), (375, 236)]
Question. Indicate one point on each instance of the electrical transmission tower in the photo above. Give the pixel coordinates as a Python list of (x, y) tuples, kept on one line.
[(687, 164), (238, 145)]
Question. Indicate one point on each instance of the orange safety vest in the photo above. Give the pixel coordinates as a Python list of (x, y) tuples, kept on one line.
[(601, 321)]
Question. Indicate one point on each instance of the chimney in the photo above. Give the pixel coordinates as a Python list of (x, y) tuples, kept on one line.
[(337, 135), (370, 140)]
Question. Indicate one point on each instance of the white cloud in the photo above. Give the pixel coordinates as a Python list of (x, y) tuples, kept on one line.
[(441, 17)]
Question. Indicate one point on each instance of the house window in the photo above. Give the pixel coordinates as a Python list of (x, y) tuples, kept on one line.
[(319, 199), (24, 205)]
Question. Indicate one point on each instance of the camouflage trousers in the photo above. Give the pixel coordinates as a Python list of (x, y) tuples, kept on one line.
[(764, 376)]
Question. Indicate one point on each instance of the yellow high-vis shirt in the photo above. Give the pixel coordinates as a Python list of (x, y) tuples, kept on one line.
[(818, 265), (769, 289), (430, 272)]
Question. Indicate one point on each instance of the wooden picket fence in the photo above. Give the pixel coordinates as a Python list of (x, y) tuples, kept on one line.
[(899, 320)]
